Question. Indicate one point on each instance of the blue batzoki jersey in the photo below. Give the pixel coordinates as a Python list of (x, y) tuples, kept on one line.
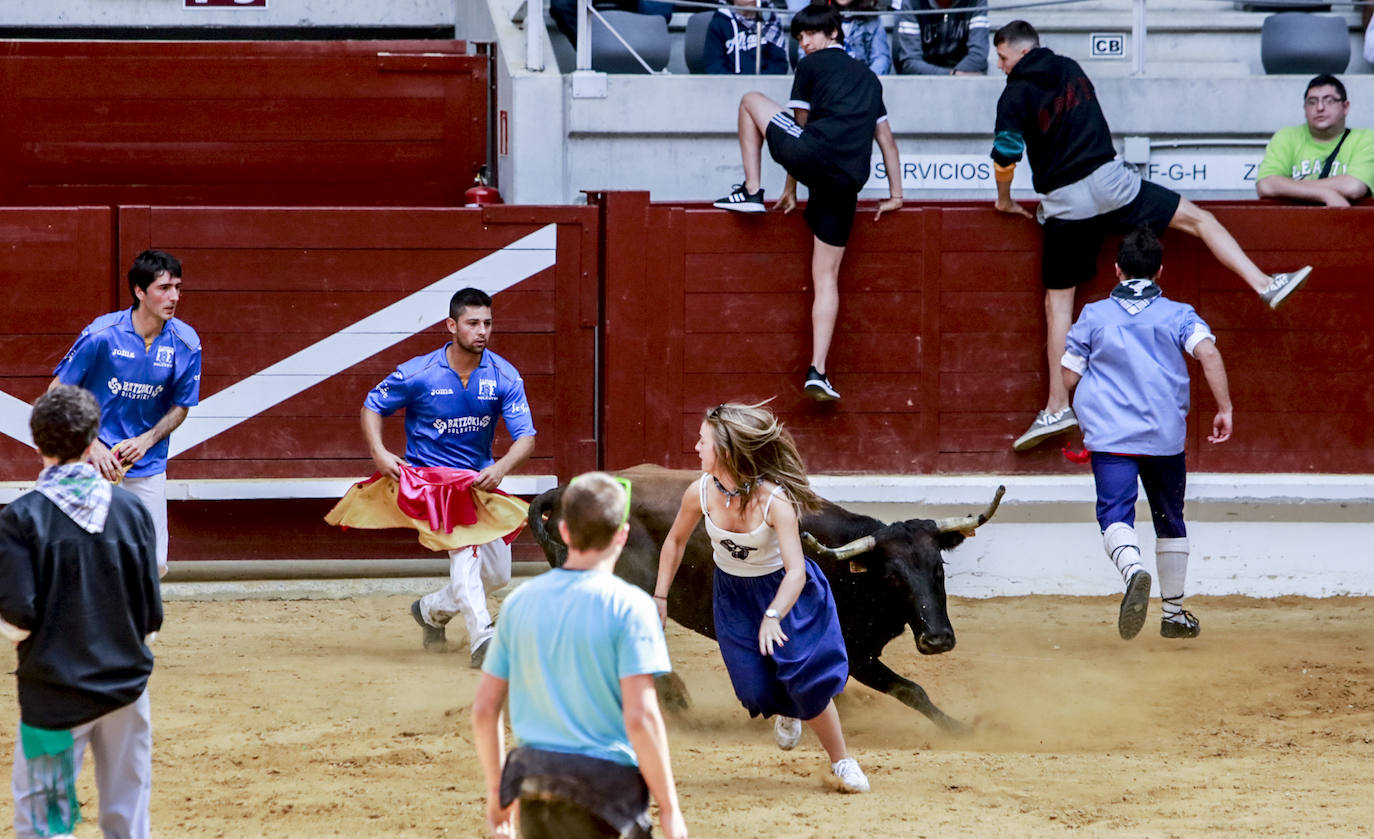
[(135, 386), (448, 424)]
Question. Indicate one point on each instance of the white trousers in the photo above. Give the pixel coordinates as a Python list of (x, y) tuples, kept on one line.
[(473, 573), (152, 491), (121, 743)]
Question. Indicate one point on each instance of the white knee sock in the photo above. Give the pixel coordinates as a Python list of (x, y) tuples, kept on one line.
[(1122, 548), (1171, 558)]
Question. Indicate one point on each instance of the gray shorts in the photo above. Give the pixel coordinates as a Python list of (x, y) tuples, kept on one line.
[(1111, 186)]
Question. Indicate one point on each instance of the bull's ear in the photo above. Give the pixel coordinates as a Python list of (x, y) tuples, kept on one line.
[(857, 567), (950, 540)]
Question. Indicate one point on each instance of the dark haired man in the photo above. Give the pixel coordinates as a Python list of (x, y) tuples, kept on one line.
[(1049, 111), (79, 595), (576, 651), (1125, 356), (1322, 162), (143, 365), (452, 399), (837, 113)]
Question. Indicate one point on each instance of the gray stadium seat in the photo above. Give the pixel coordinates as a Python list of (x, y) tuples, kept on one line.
[(694, 41), (648, 34), (1307, 44)]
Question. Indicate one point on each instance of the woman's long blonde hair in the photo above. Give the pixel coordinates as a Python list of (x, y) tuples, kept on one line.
[(751, 444)]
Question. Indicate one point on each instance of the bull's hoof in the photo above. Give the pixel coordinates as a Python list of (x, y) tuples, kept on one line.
[(956, 728), (672, 693)]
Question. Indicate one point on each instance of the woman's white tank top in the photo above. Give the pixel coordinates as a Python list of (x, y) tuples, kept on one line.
[(751, 554)]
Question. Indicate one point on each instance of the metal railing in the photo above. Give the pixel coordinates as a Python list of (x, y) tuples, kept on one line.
[(1139, 27)]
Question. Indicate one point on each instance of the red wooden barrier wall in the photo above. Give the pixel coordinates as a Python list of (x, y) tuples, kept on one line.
[(379, 123), (938, 349), (262, 284)]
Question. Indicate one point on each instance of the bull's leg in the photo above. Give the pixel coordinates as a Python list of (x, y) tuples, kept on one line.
[(880, 677), (672, 692)]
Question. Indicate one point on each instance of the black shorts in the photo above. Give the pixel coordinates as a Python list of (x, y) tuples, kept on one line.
[(833, 195), (1072, 246)]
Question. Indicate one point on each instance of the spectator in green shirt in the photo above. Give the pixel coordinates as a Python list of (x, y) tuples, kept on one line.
[(1322, 162)]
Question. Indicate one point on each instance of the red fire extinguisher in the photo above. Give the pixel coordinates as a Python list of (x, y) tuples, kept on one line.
[(482, 192)]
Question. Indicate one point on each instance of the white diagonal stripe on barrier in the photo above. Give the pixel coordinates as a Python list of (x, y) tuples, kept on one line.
[(359, 341), (14, 418)]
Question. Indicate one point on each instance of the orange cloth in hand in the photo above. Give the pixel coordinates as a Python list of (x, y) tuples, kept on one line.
[(474, 518)]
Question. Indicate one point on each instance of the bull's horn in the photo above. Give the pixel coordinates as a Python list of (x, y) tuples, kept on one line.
[(968, 524), (814, 548)]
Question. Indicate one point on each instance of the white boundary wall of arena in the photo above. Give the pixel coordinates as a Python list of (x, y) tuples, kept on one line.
[(1253, 535)]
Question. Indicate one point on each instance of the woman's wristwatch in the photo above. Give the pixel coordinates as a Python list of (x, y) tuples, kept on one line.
[(772, 613)]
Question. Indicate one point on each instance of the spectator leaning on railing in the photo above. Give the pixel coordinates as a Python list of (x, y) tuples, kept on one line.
[(1323, 161), (951, 44), (736, 34), (865, 39)]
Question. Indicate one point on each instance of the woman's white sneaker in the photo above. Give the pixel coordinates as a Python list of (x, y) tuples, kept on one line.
[(787, 731), (848, 777)]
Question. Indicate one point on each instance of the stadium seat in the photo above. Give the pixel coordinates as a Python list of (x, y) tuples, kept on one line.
[(648, 34), (694, 42), (1307, 44)]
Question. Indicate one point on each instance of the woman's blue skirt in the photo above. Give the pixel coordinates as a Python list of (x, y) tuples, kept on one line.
[(807, 671)]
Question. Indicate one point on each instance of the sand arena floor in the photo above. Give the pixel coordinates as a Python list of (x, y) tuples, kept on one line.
[(325, 718)]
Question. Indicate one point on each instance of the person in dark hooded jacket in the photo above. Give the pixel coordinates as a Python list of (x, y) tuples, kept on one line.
[(733, 38), (1049, 111)]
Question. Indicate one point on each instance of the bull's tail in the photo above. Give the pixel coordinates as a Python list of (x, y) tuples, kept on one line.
[(543, 518)]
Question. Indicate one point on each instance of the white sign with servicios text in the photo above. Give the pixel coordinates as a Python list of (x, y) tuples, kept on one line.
[(1178, 169)]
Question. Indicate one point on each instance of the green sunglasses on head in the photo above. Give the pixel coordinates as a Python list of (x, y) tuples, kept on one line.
[(625, 484)]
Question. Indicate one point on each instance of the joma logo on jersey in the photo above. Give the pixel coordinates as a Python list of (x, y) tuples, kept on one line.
[(164, 357), (486, 389), (118, 353), (441, 391)]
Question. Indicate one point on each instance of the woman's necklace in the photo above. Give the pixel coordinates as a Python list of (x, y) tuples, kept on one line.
[(730, 494)]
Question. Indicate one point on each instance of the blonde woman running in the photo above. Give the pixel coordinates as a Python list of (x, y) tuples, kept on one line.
[(775, 617)]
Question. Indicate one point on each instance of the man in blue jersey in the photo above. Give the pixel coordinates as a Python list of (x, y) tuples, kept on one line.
[(143, 365), (576, 651), (452, 399), (1125, 356)]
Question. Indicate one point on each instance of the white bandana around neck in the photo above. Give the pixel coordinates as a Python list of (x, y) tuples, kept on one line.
[(1135, 296), (79, 491)]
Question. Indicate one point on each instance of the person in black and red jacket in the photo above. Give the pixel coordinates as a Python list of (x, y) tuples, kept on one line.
[(1050, 113)]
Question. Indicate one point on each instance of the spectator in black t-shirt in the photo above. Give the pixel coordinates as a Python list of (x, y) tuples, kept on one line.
[(826, 144), (951, 44)]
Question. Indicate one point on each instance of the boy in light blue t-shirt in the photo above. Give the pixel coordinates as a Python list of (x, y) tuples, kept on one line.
[(576, 650), (1125, 355)]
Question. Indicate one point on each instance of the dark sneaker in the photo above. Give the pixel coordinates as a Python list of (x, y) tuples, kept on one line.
[(1133, 605), (818, 387), (1046, 425), (1282, 285), (479, 655), (1182, 625), (433, 636), (741, 200)]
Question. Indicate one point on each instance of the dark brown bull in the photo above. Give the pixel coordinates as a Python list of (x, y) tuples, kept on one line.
[(884, 577)]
